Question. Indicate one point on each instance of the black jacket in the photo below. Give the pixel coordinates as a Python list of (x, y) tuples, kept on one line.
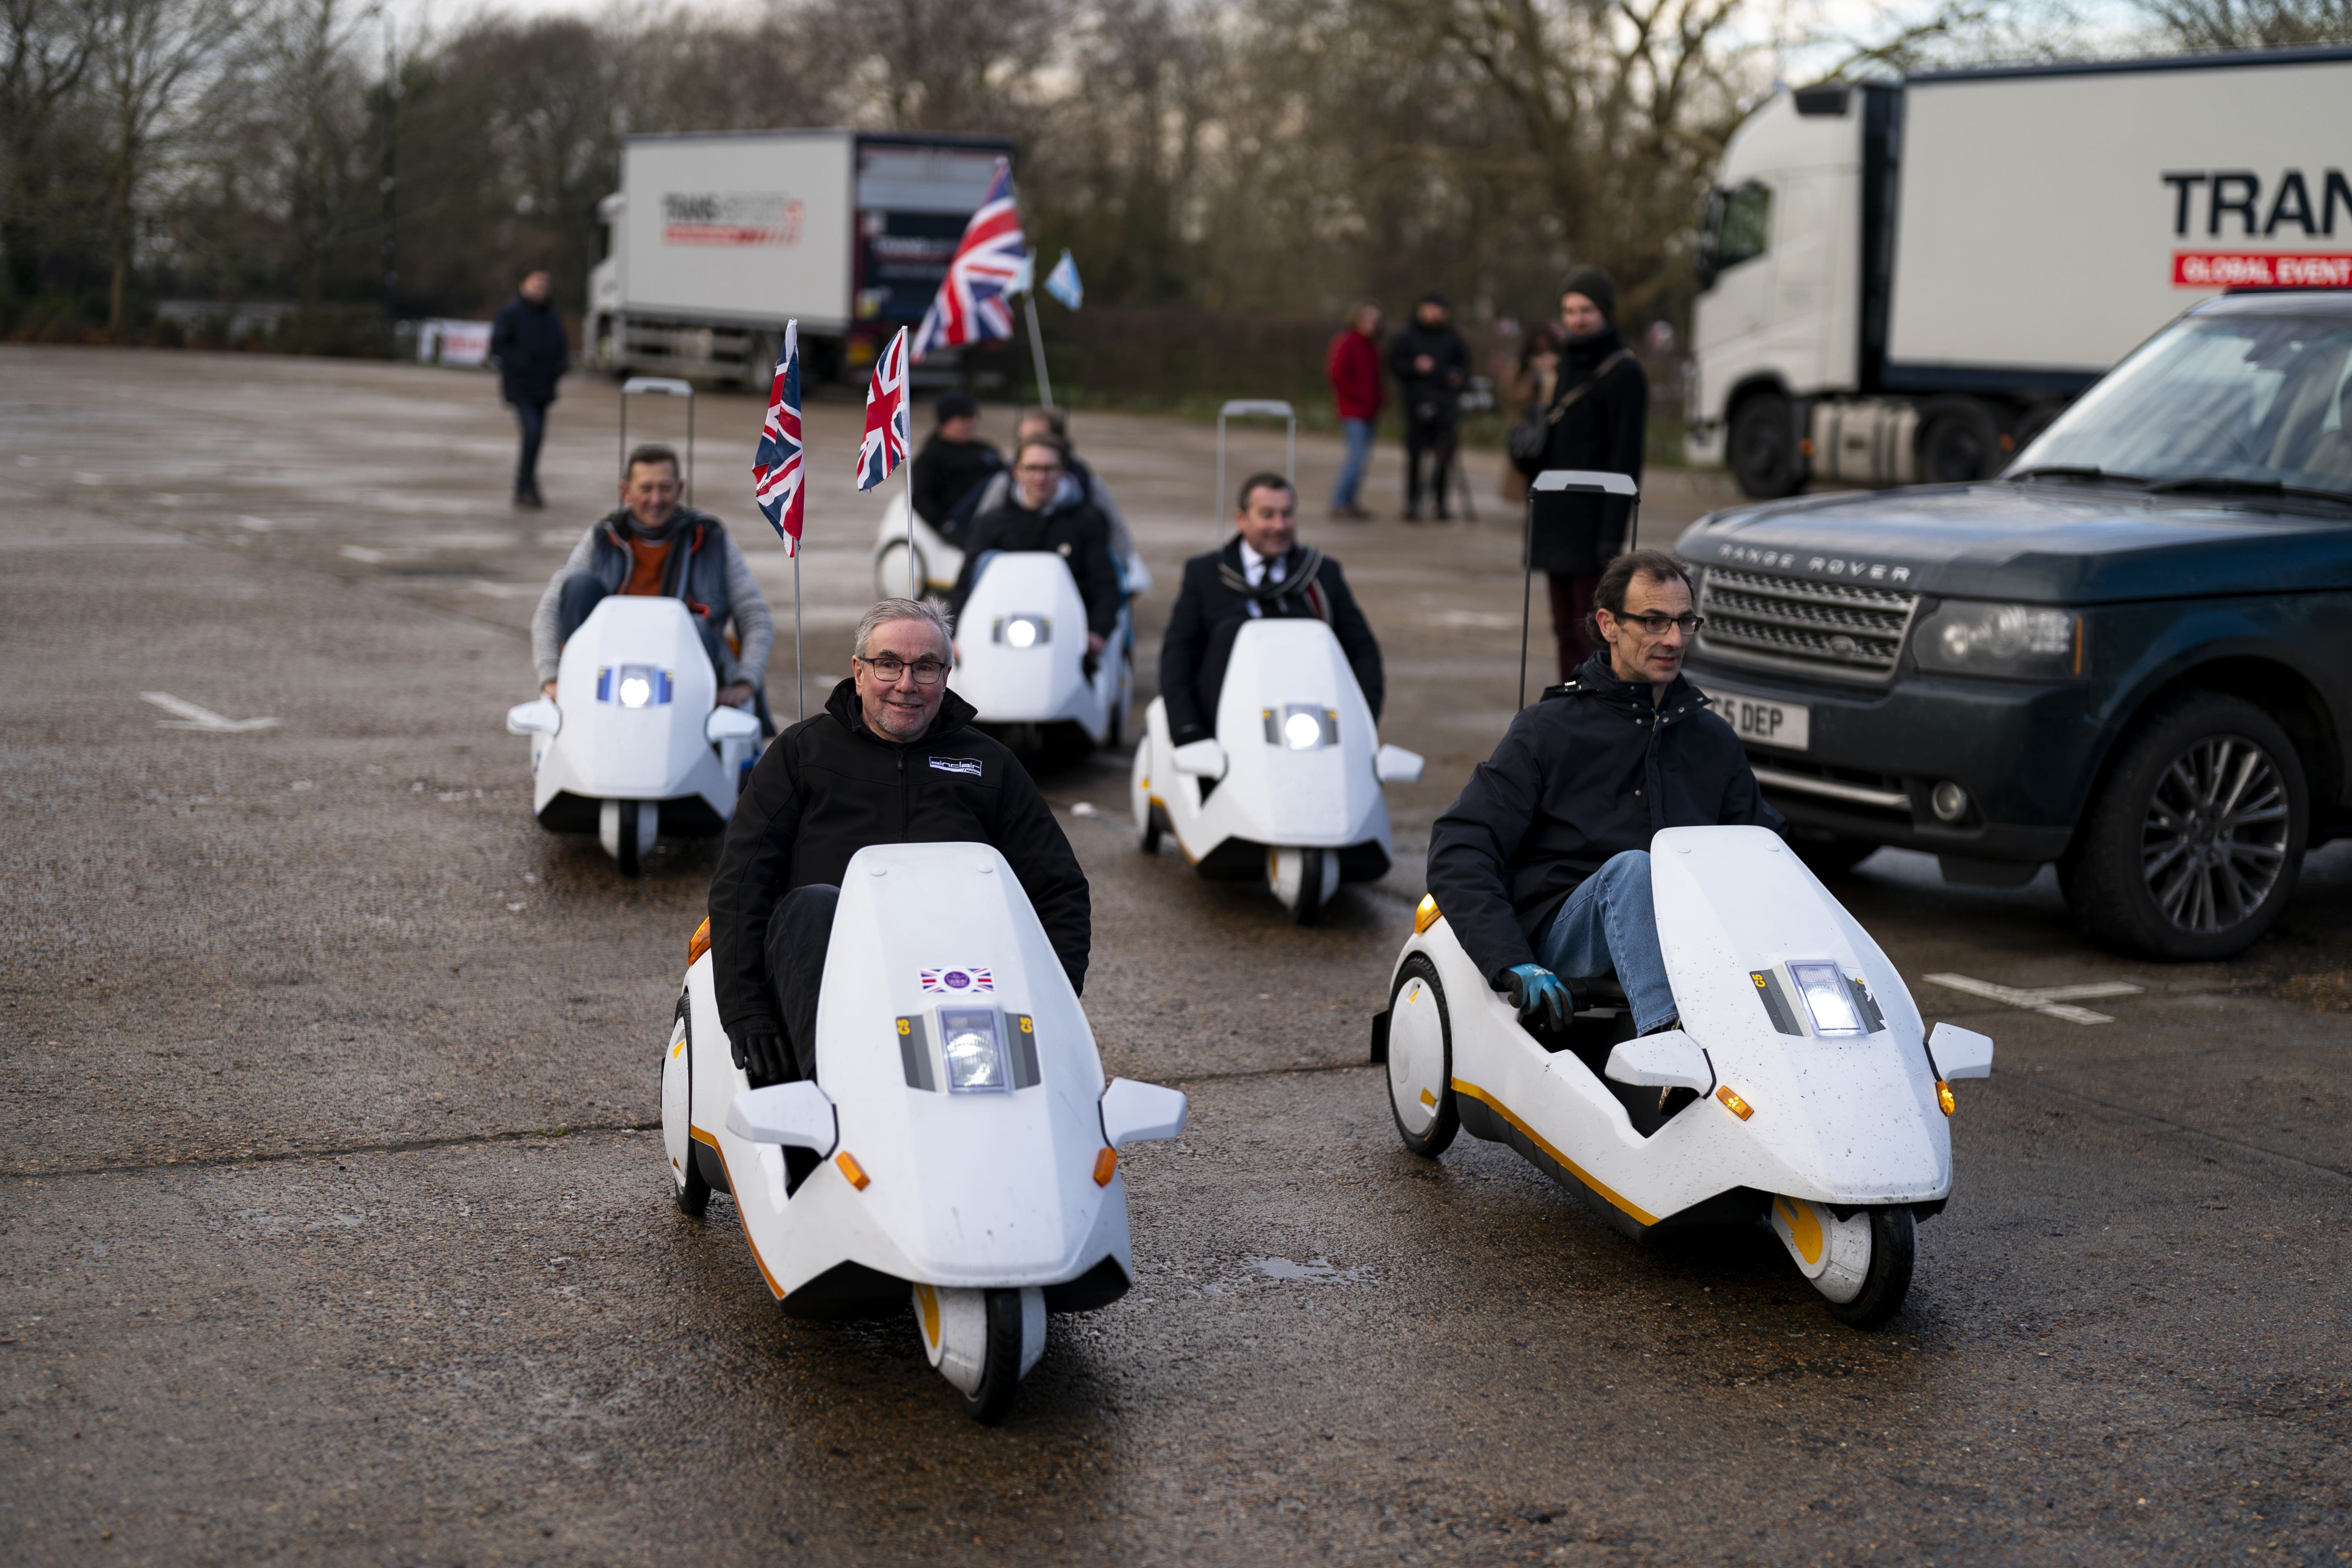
[(1435, 398), (1073, 529), (946, 472), (829, 786), (529, 345), (1601, 428), (1214, 606), (1591, 771)]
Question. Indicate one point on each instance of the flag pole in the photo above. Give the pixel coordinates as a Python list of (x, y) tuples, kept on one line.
[(1037, 349), (800, 676)]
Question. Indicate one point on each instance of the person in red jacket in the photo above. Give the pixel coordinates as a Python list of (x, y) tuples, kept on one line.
[(1354, 367)]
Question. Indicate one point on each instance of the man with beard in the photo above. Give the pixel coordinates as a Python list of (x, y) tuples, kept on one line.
[(650, 544)]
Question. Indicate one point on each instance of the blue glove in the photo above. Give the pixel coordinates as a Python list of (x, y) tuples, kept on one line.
[(1538, 993)]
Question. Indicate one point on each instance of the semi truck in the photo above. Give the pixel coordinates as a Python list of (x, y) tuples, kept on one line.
[(1906, 282), (715, 240)]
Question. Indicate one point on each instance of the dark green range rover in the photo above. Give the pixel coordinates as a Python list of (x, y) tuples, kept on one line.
[(2131, 654)]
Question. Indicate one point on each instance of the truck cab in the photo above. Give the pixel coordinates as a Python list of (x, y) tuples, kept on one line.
[(2131, 655)]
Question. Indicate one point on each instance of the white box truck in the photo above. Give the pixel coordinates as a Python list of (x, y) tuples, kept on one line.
[(715, 240), (1906, 282)]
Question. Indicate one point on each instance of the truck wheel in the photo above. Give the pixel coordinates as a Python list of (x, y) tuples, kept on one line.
[(2192, 845), (1957, 442), (1761, 447)]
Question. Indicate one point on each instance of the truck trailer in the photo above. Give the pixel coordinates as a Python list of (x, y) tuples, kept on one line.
[(1908, 283), (715, 240)]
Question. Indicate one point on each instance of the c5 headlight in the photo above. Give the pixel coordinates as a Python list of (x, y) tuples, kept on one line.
[(974, 1049), (2022, 642)]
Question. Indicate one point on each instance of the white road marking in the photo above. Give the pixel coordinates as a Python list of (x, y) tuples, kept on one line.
[(2052, 1000), (192, 717), (363, 556)]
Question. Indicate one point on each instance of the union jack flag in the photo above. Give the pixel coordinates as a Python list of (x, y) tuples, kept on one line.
[(946, 982), (971, 305), (885, 447), (777, 470)]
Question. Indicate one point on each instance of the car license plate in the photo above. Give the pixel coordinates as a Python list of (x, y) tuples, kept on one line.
[(1762, 722)]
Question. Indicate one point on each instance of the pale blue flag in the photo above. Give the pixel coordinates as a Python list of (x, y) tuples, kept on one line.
[(1063, 283), (1024, 277)]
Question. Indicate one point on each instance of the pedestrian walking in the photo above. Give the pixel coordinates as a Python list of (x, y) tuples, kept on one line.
[(1353, 366), (1431, 362), (528, 346), (1598, 414)]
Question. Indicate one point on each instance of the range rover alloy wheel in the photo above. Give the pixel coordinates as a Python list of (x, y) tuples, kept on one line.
[(2192, 846)]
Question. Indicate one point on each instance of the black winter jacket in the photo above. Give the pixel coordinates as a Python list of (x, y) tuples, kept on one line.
[(1214, 606), (829, 786), (948, 471), (1575, 535), (1435, 398), (1073, 530), (1591, 771), (529, 345)]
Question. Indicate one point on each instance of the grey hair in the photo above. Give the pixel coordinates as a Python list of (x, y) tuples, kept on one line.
[(888, 610)]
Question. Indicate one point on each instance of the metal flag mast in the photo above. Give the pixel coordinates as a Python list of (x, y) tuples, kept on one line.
[(1568, 481)]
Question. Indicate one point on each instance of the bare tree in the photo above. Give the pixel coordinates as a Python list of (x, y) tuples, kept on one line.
[(2250, 23), (299, 65), (941, 65), (46, 56), (149, 58)]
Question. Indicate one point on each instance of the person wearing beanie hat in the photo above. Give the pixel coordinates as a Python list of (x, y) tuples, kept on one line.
[(953, 463), (1432, 363), (1599, 415)]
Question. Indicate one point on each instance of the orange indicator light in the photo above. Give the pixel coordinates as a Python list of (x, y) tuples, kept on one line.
[(852, 1169), (1733, 1103), (1426, 915), (1944, 1097), (700, 942), (1105, 1167)]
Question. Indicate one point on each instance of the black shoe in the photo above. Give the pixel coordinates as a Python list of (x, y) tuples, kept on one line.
[(529, 500)]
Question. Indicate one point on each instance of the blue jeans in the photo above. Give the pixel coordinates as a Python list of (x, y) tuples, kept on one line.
[(1607, 925), (532, 418), (1359, 433)]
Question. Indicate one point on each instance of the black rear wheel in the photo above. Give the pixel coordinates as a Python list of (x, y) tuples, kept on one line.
[(1958, 442), (2192, 846), (999, 1376)]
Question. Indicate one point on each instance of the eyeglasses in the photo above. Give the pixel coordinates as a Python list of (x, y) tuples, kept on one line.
[(1658, 625), (925, 671)]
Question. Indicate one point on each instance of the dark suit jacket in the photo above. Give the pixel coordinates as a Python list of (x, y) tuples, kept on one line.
[(1210, 611)]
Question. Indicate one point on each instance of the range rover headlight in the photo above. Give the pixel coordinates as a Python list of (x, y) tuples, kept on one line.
[(2022, 642)]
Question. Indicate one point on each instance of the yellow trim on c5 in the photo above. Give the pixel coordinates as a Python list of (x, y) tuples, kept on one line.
[(699, 1136), (1632, 1209)]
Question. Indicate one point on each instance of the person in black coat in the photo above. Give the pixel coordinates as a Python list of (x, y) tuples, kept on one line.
[(953, 463), (893, 759), (1433, 363), (1262, 571), (1542, 864), (1040, 517), (528, 346), (1598, 414)]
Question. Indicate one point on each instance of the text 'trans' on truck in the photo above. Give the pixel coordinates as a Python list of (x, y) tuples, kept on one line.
[(714, 241), (1907, 283)]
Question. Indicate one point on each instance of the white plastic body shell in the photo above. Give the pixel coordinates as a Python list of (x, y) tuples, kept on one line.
[(1274, 794), (992, 1189), (606, 751), (1841, 1120), (1021, 648)]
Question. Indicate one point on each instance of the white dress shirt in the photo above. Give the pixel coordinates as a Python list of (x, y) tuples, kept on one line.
[(1254, 567)]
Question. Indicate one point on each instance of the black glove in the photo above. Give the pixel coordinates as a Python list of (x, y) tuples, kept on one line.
[(761, 1052)]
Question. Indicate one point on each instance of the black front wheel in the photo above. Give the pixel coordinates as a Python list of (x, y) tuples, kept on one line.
[(2193, 841), (1761, 447), (999, 1376), (1894, 1248), (626, 852)]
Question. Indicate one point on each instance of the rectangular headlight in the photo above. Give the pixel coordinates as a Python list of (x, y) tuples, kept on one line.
[(973, 1044), (1828, 998), (1301, 726), (2025, 642), (634, 686)]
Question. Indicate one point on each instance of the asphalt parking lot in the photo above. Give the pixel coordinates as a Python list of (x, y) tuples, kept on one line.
[(337, 1232)]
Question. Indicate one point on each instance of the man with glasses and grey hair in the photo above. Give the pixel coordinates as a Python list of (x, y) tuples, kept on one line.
[(1542, 865), (893, 759)]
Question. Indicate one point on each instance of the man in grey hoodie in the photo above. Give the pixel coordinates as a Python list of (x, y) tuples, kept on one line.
[(650, 544)]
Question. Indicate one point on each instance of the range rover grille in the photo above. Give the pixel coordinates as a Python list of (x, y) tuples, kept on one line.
[(1833, 627)]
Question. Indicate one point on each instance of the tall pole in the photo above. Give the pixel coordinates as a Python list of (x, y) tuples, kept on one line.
[(1527, 592), (1037, 352), (391, 188), (800, 679), (910, 530)]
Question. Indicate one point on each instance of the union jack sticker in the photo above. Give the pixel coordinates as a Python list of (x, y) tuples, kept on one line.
[(957, 982)]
